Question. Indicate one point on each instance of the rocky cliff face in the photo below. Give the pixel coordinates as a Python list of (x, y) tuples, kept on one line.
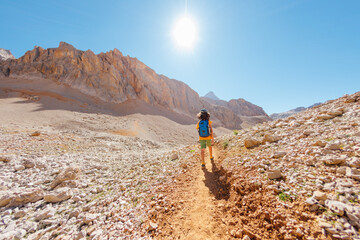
[(112, 77), (250, 114), (5, 54)]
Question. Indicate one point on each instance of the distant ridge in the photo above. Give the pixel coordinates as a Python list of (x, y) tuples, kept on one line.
[(291, 112)]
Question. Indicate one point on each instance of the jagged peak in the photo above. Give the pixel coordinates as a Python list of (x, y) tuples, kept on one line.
[(6, 54), (212, 96), (66, 46)]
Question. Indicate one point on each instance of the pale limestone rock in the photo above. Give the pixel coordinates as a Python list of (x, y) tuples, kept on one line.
[(250, 143), (320, 195), (19, 168), (19, 214), (333, 146), (270, 138), (279, 154), (28, 163), (336, 207), (320, 143), (336, 113), (274, 174), (69, 173), (333, 160), (246, 237), (45, 214), (341, 170), (19, 198), (6, 159), (58, 195), (5, 198), (354, 162), (353, 173), (174, 157), (324, 117), (152, 226), (88, 218)]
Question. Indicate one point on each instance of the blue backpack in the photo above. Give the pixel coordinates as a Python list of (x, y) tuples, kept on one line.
[(204, 130)]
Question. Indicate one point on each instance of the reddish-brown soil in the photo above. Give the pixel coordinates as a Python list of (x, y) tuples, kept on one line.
[(211, 204)]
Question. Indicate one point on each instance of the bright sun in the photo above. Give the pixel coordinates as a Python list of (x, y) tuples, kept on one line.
[(185, 32)]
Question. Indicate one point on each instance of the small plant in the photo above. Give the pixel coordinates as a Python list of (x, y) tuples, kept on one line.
[(236, 132), (225, 144), (329, 139), (192, 150), (284, 197)]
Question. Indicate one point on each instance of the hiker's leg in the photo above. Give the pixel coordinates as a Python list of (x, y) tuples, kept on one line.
[(210, 147), (210, 151), (202, 155)]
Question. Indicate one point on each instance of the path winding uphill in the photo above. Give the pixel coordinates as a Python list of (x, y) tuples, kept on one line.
[(204, 204), (194, 204), (296, 178)]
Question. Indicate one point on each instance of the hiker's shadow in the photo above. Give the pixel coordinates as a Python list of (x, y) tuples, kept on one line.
[(220, 189)]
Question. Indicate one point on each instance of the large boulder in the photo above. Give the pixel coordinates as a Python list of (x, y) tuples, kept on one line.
[(58, 195), (250, 143), (20, 197), (69, 173)]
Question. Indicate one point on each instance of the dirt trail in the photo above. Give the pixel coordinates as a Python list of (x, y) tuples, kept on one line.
[(199, 193)]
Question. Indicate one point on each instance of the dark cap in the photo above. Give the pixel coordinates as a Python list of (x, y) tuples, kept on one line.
[(203, 110)]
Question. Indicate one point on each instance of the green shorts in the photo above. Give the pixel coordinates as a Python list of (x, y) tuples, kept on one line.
[(204, 143)]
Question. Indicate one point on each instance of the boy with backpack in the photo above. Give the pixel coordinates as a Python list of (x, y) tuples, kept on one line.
[(206, 136)]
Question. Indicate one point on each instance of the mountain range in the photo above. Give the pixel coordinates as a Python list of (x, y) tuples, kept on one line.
[(291, 112), (120, 84)]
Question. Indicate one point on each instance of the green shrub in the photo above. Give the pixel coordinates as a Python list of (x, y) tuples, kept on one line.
[(284, 197), (225, 144), (236, 132)]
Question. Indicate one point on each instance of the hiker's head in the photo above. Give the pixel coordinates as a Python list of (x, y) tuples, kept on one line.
[(203, 114)]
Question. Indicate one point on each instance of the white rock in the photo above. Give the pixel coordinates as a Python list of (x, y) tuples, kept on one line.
[(336, 207), (152, 226), (333, 146), (19, 168), (333, 160), (320, 195), (354, 162)]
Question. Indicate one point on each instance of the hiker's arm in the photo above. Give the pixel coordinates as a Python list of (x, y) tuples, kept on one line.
[(212, 135)]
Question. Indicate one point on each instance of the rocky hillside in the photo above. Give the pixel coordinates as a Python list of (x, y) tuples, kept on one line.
[(309, 161), (5, 54), (114, 78), (293, 178)]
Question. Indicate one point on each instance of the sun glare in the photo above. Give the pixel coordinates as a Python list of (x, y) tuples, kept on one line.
[(185, 32)]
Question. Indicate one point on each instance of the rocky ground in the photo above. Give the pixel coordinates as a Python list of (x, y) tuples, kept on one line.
[(92, 177), (296, 178), (72, 175)]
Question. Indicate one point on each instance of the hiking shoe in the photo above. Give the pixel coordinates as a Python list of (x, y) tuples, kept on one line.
[(212, 158), (203, 165)]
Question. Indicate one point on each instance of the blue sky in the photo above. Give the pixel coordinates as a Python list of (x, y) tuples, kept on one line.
[(278, 54)]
